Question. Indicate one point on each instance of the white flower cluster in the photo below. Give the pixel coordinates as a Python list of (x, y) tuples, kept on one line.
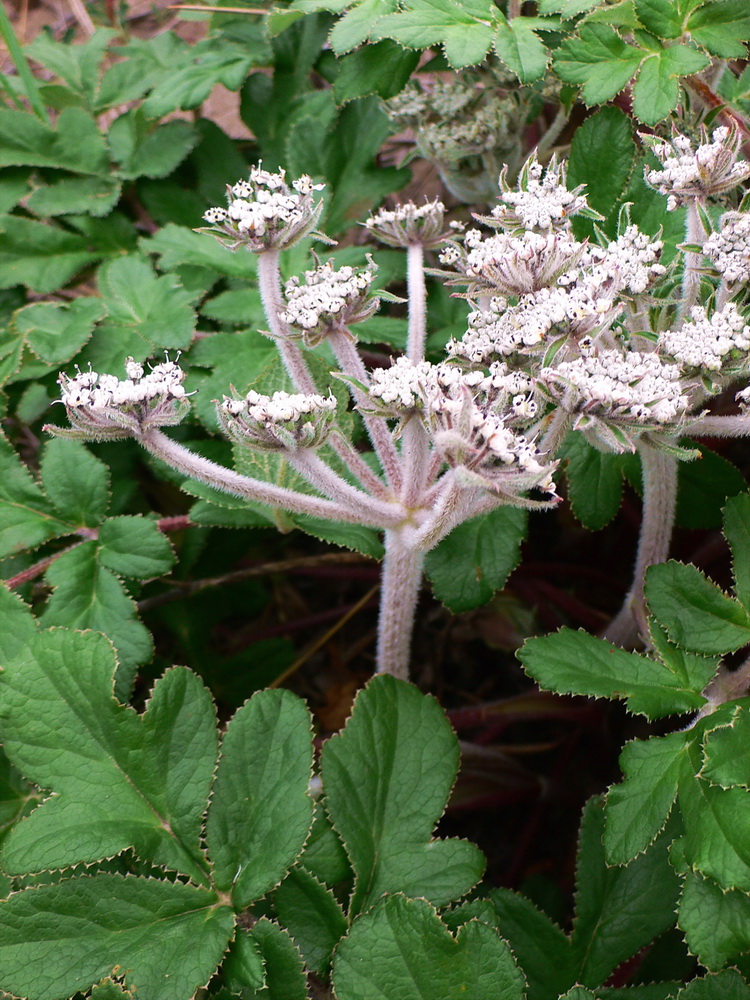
[(99, 392), (632, 260), (513, 264), (328, 299), (502, 330), (712, 168), (542, 200), (102, 406), (400, 387), (281, 421), (264, 212), (729, 249), (705, 343), (634, 387), (408, 224)]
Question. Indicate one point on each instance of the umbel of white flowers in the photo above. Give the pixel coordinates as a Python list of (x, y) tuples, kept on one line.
[(558, 341)]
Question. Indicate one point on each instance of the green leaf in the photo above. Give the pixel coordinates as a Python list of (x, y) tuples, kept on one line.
[(260, 812), (461, 28), (725, 751), (87, 595), (17, 625), (356, 537), (695, 612), (178, 245), (285, 974), (618, 910), (157, 309), (214, 60), (662, 18), (599, 60), (638, 808), (476, 558), (26, 516), (519, 47), (237, 307), (602, 156), (313, 917), (594, 477), (383, 68), (355, 25), (571, 662), (75, 482), (76, 144), (539, 946), (703, 489), (55, 331), (721, 27), (657, 90), (59, 939), (402, 949), (717, 828), (143, 150), (716, 923), (324, 855), (44, 257), (568, 8), (243, 965), (727, 985), (134, 546), (387, 778), (120, 780), (737, 531), (96, 196)]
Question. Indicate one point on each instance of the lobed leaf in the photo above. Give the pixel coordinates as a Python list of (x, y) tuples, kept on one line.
[(388, 776), (401, 948), (59, 939), (313, 917), (571, 662), (715, 922), (260, 811), (119, 779), (696, 614)]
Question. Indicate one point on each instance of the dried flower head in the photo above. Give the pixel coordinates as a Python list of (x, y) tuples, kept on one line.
[(410, 224), (284, 421), (328, 300), (265, 213), (103, 407), (711, 169)]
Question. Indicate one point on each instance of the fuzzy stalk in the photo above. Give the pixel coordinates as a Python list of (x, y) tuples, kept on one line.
[(323, 478), (269, 282), (228, 481), (415, 344), (401, 580), (352, 364), (556, 431), (734, 425), (417, 460), (659, 503), (691, 278)]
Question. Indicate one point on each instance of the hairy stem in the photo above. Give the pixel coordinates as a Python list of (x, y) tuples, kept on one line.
[(323, 478), (269, 282), (352, 364), (552, 134), (659, 502), (737, 425), (197, 467), (399, 591), (417, 459), (417, 303)]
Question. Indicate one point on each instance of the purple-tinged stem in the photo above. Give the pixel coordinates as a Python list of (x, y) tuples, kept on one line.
[(415, 345), (323, 478)]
